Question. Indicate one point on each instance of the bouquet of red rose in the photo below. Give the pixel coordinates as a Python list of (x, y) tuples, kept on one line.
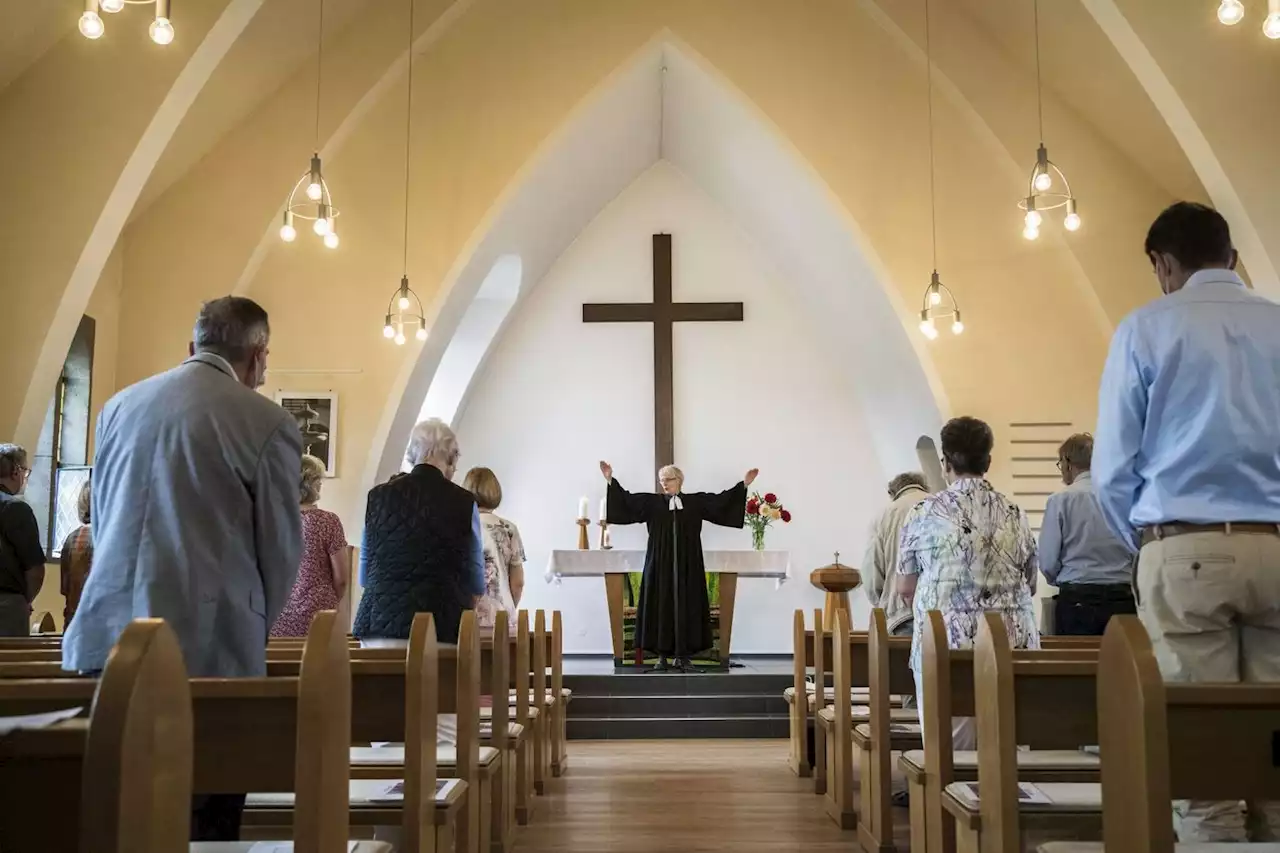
[(763, 510)]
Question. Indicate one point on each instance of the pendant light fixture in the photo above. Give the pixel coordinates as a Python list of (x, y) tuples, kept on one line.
[(92, 26), (310, 200), (1047, 188), (1231, 12), (938, 303), (400, 310)]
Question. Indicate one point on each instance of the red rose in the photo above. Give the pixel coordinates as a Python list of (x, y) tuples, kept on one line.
[(770, 498), (753, 507), (786, 516)]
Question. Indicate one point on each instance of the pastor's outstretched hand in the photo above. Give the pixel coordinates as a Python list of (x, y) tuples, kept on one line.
[(751, 476), (607, 470)]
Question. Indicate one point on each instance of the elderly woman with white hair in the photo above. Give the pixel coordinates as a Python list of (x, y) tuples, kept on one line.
[(674, 616), (422, 550)]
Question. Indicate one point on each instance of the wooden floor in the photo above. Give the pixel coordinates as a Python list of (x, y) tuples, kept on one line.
[(677, 796)]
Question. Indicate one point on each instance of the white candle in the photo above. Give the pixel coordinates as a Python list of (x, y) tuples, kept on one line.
[(582, 508), (604, 509)]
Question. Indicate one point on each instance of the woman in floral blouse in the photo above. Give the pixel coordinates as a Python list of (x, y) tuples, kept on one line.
[(503, 551), (966, 550), (326, 562)]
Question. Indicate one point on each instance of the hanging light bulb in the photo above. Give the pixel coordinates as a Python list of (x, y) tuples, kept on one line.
[(331, 238), (287, 232), (400, 337), (1231, 12), (161, 31), (935, 295), (321, 226), (1030, 232), (403, 302), (421, 334), (388, 331), (91, 26), (926, 325), (1072, 220), (1271, 26), (1043, 181), (111, 6), (1033, 218), (315, 189), (956, 326)]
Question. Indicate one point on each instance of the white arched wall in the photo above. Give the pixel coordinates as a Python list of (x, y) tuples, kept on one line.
[(705, 128), (111, 221)]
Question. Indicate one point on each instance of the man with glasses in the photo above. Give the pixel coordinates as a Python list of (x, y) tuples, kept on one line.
[(1078, 554), (21, 556)]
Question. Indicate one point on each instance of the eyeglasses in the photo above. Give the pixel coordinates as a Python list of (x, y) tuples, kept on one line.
[(1060, 463)]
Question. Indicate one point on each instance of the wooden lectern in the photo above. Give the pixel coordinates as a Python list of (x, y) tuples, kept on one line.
[(836, 580)]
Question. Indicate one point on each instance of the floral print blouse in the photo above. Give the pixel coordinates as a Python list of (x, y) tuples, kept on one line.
[(503, 552), (973, 550)]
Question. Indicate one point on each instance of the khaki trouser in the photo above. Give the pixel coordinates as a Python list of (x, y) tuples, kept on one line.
[(1211, 603)]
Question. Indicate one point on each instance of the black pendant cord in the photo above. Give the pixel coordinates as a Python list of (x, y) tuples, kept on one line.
[(408, 139), (319, 70), (933, 196), (1035, 11)]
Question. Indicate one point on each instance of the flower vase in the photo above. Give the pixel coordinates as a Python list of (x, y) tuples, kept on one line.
[(757, 538)]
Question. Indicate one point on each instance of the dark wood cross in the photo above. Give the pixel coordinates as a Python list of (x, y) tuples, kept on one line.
[(662, 313)]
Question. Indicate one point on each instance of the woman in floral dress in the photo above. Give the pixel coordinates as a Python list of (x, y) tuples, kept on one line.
[(326, 563), (966, 550), (503, 551)]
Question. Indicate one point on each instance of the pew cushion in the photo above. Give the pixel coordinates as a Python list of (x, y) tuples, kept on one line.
[(1045, 760), (1058, 798), (393, 756), (1191, 847), (279, 847), (862, 714), (361, 792)]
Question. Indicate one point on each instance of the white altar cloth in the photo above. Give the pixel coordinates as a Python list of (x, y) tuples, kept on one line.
[(594, 564)]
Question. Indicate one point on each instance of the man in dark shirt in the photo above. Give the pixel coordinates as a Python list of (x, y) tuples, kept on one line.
[(21, 557)]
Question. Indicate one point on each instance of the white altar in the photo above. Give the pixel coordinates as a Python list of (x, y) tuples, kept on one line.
[(614, 565)]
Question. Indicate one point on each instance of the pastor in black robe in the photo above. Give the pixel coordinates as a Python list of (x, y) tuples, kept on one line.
[(675, 551)]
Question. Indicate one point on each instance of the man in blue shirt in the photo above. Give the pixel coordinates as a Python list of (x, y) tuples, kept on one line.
[(1187, 470), (1078, 554)]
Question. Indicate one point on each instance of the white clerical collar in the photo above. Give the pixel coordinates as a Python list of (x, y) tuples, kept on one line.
[(1215, 276), (675, 503)]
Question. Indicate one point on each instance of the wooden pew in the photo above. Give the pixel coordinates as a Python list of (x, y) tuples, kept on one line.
[(274, 734), (562, 695), (120, 778), (1163, 740), (392, 703), (1035, 702), (948, 681)]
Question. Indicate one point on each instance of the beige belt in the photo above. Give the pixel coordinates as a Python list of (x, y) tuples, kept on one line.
[(1178, 528)]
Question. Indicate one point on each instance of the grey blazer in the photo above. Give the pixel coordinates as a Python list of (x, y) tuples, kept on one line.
[(195, 519)]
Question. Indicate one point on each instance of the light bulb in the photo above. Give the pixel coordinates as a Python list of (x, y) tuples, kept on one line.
[(321, 226), (1072, 222), (403, 303), (1231, 12), (315, 192), (161, 31), (935, 296), (388, 332), (957, 327), (288, 233), (421, 334), (928, 329), (1032, 219), (91, 25), (1030, 233), (399, 339), (1271, 26), (331, 239), (111, 6), (1043, 182)]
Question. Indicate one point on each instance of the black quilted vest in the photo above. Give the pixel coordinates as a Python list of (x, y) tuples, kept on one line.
[(417, 556)]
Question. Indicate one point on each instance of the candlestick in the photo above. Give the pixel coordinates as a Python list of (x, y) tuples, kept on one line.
[(583, 508), (605, 542), (604, 509), (583, 543)]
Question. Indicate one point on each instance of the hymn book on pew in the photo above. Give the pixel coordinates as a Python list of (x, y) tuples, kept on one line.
[(31, 722)]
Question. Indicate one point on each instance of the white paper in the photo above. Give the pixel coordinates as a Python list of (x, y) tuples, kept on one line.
[(31, 722), (1028, 794), (287, 847)]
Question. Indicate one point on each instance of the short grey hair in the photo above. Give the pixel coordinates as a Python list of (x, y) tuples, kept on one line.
[(431, 439), (231, 327), (1077, 451), (906, 480), (670, 472), (312, 477), (13, 458)]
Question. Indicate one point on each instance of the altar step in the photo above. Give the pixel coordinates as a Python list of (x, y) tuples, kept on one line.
[(742, 703)]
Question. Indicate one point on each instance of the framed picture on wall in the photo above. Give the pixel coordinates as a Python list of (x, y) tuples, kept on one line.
[(317, 415)]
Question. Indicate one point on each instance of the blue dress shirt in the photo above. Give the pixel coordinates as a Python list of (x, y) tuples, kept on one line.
[(1075, 544), (1189, 410), (477, 555)]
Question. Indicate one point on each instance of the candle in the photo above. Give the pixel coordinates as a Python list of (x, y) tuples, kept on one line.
[(604, 509), (582, 508)]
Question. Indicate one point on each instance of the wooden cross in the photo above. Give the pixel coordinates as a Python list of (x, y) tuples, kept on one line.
[(663, 313)]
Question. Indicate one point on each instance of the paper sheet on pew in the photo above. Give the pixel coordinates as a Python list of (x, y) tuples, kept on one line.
[(287, 847), (30, 722), (394, 793), (1027, 793)]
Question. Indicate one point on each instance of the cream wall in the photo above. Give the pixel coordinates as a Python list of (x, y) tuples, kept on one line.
[(847, 94)]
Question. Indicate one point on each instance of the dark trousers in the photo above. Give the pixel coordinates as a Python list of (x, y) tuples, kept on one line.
[(15, 615), (216, 817), (1085, 609)]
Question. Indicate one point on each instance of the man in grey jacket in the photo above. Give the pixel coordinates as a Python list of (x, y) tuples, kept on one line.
[(195, 510), (880, 565)]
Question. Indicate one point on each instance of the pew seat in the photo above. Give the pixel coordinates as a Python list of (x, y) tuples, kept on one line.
[(1072, 807), (279, 847), (859, 714), (1030, 761), (369, 805), (1188, 847), (903, 737), (393, 757)]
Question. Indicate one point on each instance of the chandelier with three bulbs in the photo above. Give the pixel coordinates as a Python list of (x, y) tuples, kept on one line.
[(1047, 188), (92, 26)]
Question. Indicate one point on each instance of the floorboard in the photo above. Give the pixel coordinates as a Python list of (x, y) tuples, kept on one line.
[(677, 796)]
